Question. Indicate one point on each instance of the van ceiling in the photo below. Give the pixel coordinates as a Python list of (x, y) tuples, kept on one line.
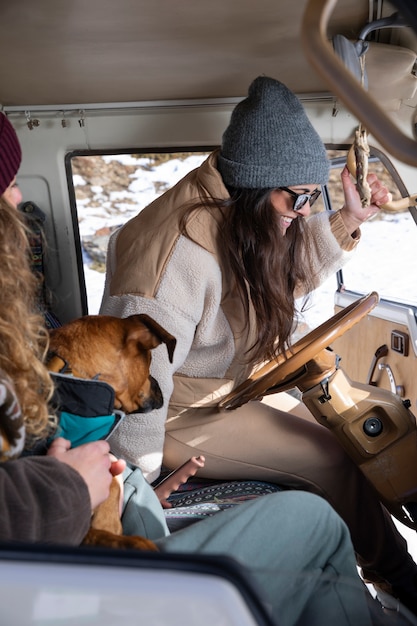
[(87, 51)]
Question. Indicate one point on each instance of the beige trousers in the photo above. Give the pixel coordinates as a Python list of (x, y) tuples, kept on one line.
[(278, 440)]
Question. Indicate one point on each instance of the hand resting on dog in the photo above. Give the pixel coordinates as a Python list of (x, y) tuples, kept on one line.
[(93, 462)]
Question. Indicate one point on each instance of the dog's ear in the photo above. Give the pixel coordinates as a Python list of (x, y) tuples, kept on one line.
[(152, 335)]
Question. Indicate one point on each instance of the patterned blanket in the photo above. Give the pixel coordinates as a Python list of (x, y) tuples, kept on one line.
[(199, 498)]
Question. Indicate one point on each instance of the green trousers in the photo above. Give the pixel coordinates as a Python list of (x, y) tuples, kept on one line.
[(292, 543)]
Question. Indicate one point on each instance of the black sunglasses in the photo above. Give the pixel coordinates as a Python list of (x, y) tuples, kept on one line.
[(300, 199)]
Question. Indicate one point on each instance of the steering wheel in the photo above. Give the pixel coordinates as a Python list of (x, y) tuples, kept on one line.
[(277, 371)]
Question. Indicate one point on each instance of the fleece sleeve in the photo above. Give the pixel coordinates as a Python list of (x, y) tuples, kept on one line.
[(43, 500), (331, 245), (187, 304)]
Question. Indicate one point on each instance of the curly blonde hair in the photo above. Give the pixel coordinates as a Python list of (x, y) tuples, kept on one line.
[(23, 336)]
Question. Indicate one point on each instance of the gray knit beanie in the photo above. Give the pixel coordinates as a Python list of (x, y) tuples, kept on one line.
[(270, 141)]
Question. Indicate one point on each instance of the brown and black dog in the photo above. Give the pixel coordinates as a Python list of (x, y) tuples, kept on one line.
[(117, 351)]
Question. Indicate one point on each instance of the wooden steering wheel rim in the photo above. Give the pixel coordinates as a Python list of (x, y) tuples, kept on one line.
[(303, 351)]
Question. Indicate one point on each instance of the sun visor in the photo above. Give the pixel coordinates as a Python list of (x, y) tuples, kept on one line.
[(396, 64)]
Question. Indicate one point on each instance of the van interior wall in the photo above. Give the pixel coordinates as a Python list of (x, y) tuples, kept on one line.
[(43, 177)]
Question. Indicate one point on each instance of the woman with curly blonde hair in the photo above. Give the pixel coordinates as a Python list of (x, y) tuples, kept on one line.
[(42, 498), (23, 338)]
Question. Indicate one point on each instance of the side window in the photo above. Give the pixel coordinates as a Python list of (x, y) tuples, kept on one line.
[(109, 190), (384, 260), (112, 188)]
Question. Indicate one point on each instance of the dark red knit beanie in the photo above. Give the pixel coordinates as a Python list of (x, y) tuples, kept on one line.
[(10, 153)]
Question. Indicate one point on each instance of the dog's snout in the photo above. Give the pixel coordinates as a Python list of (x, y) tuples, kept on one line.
[(156, 393), (154, 400)]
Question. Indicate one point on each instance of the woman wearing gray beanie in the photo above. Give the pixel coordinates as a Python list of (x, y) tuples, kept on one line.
[(219, 260)]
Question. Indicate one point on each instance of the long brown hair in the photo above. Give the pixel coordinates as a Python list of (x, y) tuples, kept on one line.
[(23, 336), (268, 266)]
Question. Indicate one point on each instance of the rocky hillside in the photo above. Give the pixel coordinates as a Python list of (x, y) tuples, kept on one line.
[(102, 189)]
